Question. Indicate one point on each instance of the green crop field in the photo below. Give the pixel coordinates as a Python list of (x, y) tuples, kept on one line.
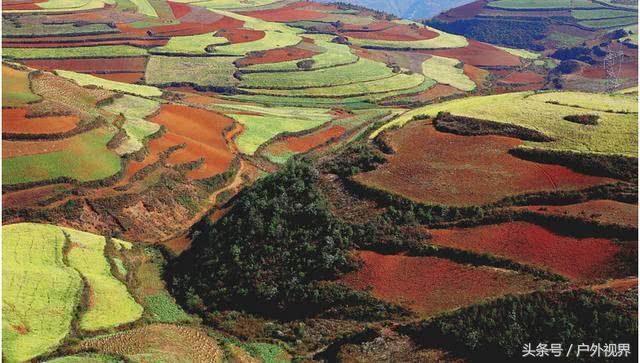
[(192, 44), (334, 55), (260, 129), (276, 35), (52, 6), (107, 51), (542, 4), (442, 41), (203, 71), (144, 7), (600, 14), (447, 71), (268, 353), (89, 80), (10, 29), (394, 83), (522, 53), (134, 109), (163, 309), (15, 88), (84, 158), (362, 71), (110, 304), (615, 133), (35, 284), (609, 23)]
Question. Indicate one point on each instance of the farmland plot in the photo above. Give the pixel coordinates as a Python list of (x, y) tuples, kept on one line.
[(89, 80), (35, 284), (15, 88), (110, 304), (447, 71), (202, 71)]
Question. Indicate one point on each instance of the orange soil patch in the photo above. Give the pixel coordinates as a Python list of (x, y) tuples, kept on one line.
[(288, 13), (158, 342), (27, 5), (20, 329), (91, 65), (522, 78), (31, 197), (604, 211), (299, 144), (202, 132), (179, 244), (179, 10), (479, 54), (435, 167), (578, 259), (398, 33), (11, 149), (240, 35), (276, 56), (431, 285), (14, 121), (628, 69), (122, 77), (477, 75)]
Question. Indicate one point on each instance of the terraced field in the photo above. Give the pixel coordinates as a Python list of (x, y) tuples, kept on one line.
[(616, 133)]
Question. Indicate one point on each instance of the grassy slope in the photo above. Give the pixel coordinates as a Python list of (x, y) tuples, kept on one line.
[(447, 71), (35, 284), (615, 134), (110, 304), (15, 88)]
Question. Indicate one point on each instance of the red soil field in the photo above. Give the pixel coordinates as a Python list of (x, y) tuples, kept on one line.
[(27, 5), (276, 56), (12, 149), (240, 35), (91, 65), (604, 211), (477, 75), (479, 54), (179, 10), (14, 121), (31, 197), (201, 131), (578, 259), (431, 285), (300, 144), (398, 32), (522, 78), (287, 13), (465, 11), (435, 167), (375, 26), (122, 77)]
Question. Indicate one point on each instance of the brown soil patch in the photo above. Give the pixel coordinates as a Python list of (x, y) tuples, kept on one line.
[(14, 121), (169, 342), (431, 285), (30, 197), (477, 75), (435, 167), (479, 54), (300, 144), (522, 78), (287, 13), (11, 149), (465, 11), (202, 132), (603, 211), (276, 56), (575, 258), (398, 33), (20, 329)]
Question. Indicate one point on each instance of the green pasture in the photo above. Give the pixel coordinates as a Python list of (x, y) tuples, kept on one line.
[(522, 53), (39, 292), (89, 80), (395, 83), (107, 51), (110, 304), (609, 23), (362, 71), (134, 109), (84, 158), (542, 4), (86, 358), (600, 14), (616, 133), (447, 71), (202, 71), (191, 44), (35, 29)]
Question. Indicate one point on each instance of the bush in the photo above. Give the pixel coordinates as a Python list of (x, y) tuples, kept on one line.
[(583, 119)]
